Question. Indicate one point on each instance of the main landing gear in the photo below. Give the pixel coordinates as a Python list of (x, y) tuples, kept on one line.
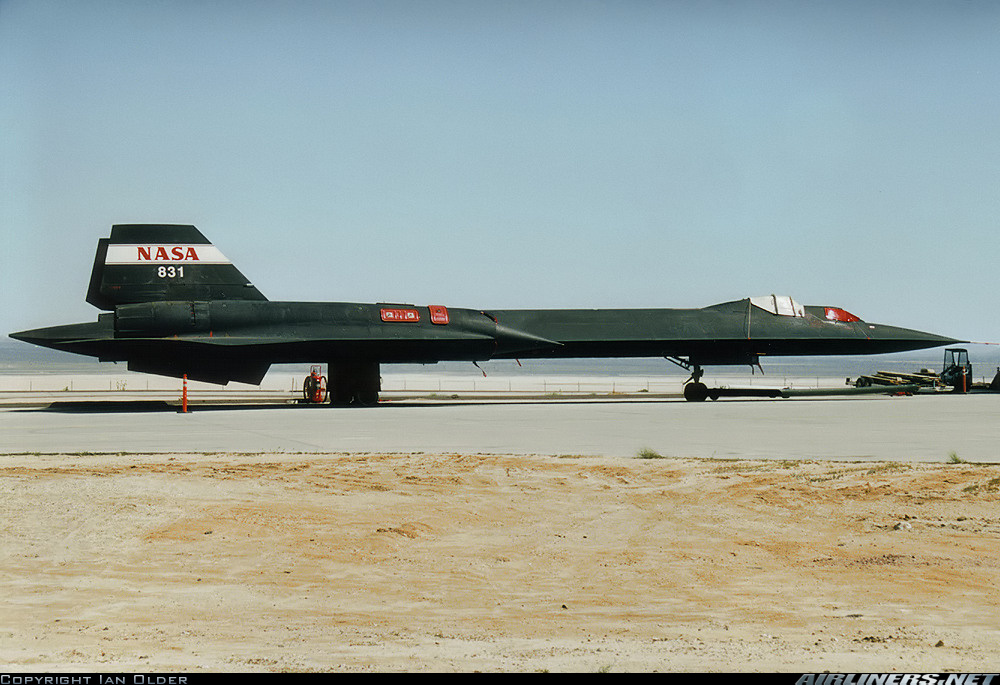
[(356, 384)]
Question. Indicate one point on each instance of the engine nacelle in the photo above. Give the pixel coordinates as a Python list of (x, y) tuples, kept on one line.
[(156, 319)]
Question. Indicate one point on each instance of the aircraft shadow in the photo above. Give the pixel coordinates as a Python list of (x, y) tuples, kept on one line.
[(160, 406)]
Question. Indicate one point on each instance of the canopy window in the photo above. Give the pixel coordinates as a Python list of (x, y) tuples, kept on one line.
[(781, 305)]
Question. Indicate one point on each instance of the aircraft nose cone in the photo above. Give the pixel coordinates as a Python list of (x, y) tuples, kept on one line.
[(901, 339)]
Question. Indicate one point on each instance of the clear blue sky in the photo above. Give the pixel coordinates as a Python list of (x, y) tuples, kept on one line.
[(515, 154)]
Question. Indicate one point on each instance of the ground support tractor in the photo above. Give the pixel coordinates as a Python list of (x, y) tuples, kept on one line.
[(956, 374)]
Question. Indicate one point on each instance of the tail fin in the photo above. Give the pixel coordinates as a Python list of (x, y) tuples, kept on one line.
[(154, 262)]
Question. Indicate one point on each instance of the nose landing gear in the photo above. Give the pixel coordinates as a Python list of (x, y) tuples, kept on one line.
[(694, 389)]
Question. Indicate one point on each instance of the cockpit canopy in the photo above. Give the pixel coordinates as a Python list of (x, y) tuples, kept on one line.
[(782, 305)]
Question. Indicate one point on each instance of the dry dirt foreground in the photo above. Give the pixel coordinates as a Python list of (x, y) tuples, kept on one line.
[(292, 562)]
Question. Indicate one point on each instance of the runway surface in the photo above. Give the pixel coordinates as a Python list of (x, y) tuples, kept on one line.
[(919, 428)]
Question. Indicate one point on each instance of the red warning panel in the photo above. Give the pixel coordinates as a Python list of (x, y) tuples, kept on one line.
[(400, 315), (439, 314)]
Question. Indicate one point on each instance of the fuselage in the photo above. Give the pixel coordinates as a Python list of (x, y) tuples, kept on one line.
[(286, 332), (176, 306)]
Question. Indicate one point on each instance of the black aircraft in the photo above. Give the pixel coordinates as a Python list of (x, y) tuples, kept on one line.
[(176, 306)]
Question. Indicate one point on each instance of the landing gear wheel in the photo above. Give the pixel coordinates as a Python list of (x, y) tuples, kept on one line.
[(366, 398), (338, 397), (696, 392)]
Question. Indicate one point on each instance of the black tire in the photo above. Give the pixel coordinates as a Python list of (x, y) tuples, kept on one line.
[(339, 396), (366, 398), (695, 392)]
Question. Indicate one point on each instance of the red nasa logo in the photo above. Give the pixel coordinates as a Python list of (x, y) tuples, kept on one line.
[(163, 253)]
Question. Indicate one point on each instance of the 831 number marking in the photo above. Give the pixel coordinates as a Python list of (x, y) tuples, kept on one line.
[(170, 272)]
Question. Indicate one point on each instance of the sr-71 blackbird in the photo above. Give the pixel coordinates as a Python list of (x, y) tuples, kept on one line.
[(176, 306)]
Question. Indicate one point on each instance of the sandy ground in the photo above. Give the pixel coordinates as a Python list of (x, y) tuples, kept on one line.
[(302, 562)]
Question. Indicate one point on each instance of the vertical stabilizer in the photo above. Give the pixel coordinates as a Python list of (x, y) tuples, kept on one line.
[(156, 262)]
